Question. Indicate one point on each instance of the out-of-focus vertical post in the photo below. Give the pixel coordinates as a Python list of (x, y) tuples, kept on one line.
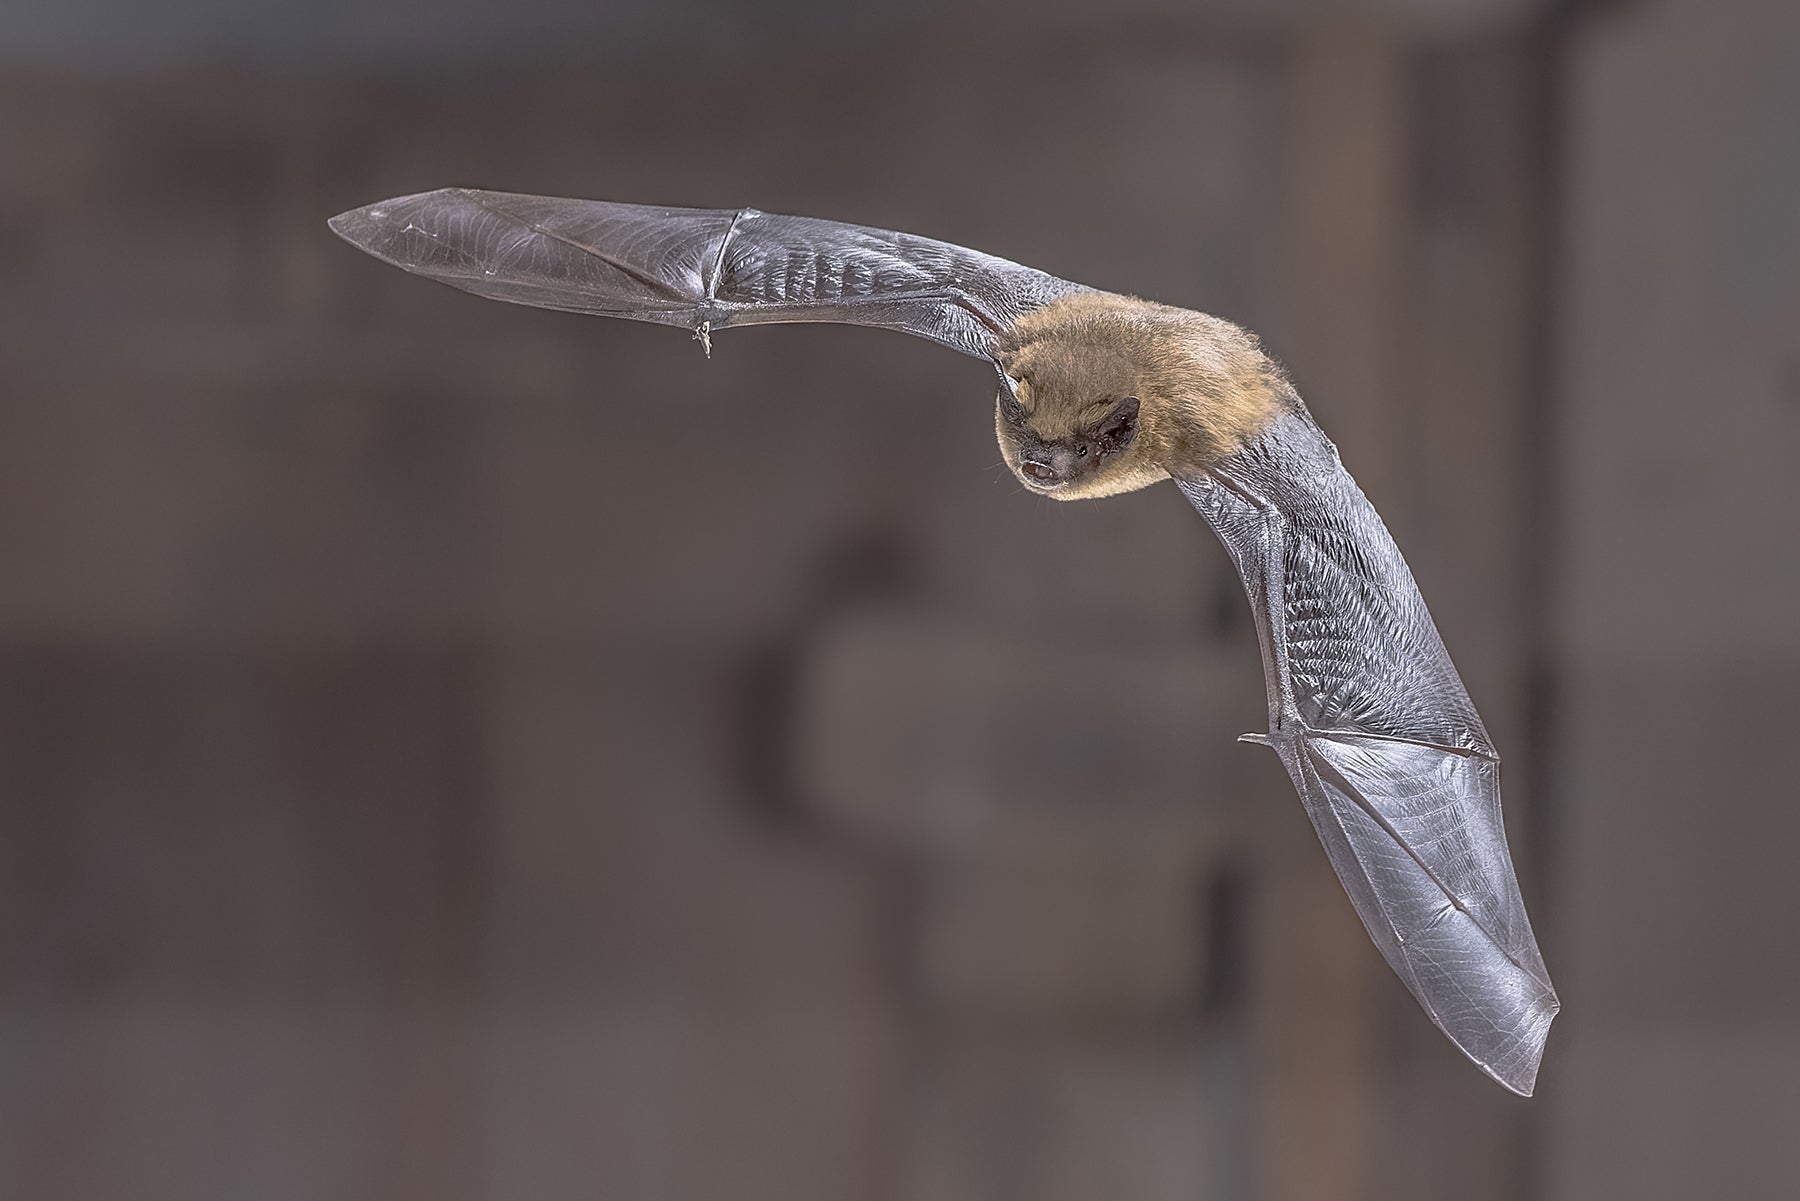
[(1345, 189)]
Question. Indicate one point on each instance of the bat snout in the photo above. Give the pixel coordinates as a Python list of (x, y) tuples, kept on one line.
[(1048, 466)]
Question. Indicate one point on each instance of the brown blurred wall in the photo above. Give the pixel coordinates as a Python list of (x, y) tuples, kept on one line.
[(1676, 435), (451, 750)]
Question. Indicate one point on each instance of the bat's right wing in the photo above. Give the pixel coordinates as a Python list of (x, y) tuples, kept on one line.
[(700, 269), (1380, 739)]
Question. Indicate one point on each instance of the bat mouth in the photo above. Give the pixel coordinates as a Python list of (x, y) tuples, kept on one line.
[(1041, 473)]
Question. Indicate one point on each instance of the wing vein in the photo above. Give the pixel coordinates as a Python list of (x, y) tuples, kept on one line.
[(718, 266), (648, 280), (1362, 736)]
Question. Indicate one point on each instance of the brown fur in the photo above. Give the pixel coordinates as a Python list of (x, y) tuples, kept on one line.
[(1203, 385)]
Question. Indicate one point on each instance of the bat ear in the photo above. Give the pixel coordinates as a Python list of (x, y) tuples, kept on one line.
[(1010, 383)]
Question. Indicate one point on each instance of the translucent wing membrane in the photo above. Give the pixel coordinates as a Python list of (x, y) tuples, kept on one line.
[(701, 269), (1378, 735)]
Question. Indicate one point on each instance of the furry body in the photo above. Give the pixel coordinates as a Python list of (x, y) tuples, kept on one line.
[(1204, 388)]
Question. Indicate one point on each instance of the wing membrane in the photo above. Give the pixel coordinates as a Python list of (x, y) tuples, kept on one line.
[(700, 269), (1380, 739)]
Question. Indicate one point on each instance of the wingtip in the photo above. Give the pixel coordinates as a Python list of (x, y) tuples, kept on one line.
[(374, 228), (364, 228), (1520, 1077), (1520, 1084)]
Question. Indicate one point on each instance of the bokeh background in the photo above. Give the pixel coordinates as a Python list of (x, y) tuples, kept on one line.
[(454, 751)]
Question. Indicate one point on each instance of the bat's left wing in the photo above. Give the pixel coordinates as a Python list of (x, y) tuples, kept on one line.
[(700, 269), (1380, 739)]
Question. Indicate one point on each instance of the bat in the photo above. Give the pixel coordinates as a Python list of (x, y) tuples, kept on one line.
[(1100, 393)]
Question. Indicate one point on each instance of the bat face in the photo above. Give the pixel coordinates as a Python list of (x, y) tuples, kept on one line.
[(1066, 463), (1076, 434)]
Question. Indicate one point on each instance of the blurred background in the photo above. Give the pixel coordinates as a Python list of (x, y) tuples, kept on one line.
[(450, 750)]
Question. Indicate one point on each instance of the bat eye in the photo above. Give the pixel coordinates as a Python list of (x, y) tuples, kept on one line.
[(1120, 427), (1081, 449)]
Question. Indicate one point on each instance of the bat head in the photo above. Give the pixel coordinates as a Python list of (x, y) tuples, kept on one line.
[(1072, 450), (1077, 414)]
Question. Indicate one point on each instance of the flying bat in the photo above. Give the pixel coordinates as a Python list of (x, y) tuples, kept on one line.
[(1101, 393)]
